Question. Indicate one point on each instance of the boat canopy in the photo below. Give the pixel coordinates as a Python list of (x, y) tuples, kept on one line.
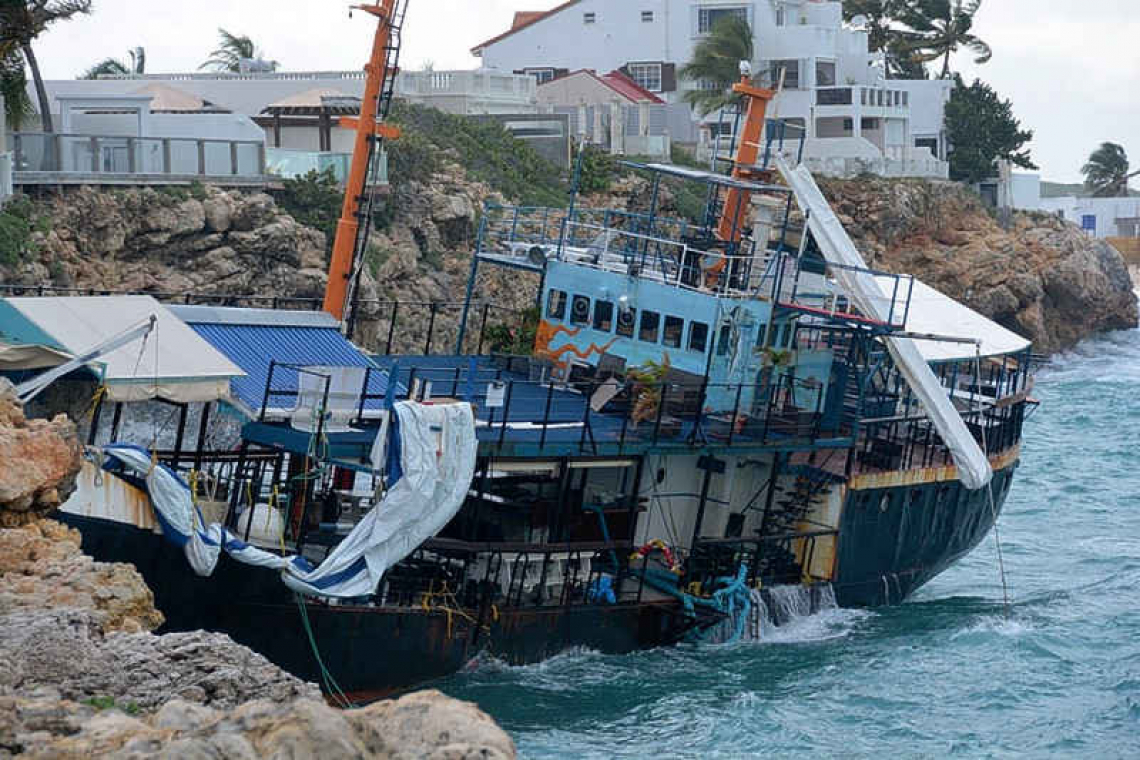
[(171, 362), (932, 312), (707, 177), (256, 338)]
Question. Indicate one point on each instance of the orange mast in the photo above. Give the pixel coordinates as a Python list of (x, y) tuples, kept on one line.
[(381, 69), (732, 218)]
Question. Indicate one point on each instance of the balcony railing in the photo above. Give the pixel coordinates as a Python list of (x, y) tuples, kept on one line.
[(868, 97), (479, 84), (289, 164), (117, 158)]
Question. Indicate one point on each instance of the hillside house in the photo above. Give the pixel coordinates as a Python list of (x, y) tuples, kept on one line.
[(834, 89), (610, 110)]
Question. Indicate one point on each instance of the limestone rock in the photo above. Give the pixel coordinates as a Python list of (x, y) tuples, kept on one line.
[(39, 460), (218, 211), (1042, 277), (425, 726), (42, 566)]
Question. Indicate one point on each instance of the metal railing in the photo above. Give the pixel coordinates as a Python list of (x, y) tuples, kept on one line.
[(126, 156), (871, 97)]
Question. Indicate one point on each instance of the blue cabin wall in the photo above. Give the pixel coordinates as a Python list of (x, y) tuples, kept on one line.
[(720, 338)]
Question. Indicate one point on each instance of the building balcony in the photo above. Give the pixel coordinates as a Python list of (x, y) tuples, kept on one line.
[(290, 164), (469, 91), (868, 101), (54, 159)]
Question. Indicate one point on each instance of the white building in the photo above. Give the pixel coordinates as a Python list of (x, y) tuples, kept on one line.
[(833, 88), (1100, 217), (610, 110), (5, 160)]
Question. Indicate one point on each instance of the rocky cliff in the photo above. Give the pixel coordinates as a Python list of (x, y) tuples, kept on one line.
[(82, 675), (1039, 275)]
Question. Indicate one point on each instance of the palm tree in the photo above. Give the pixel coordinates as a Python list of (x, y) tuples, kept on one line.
[(880, 18), (716, 64), (230, 52), (14, 90), (941, 28), (116, 67), (1106, 172), (21, 21)]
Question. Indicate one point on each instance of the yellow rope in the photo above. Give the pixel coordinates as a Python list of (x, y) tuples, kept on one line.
[(96, 397)]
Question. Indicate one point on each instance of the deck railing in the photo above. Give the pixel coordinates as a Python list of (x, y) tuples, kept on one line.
[(94, 157)]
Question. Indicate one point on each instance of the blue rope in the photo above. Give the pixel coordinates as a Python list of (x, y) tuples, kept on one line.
[(732, 595)]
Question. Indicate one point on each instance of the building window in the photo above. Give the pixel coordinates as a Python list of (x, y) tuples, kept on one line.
[(647, 17), (707, 18), (790, 70), (603, 316), (542, 76), (698, 337), (556, 304), (650, 320), (648, 75), (781, 15), (869, 124), (627, 318), (589, 18), (674, 329), (1088, 222), (825, 73)]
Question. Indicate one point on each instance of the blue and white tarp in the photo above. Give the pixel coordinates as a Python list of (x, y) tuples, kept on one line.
[(437, 457)]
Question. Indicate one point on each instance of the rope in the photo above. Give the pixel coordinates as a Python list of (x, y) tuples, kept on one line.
[(990, 485), (332, 688)]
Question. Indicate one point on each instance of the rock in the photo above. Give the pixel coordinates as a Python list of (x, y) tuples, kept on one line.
[(42, 566), (218, 210), (39, 460), (426, 726), (65, 650), (253, 211), (1042, 277)]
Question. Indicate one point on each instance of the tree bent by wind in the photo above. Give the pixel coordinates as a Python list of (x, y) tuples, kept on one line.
[(1106, 173), (231, 51), (941, 28), (21, 22), (116, 67), (716, 64)]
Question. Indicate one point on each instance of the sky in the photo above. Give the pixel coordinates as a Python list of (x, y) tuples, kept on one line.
[(1071, 67)]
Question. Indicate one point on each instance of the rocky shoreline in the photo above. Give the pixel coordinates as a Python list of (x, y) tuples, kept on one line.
[(83, 675)]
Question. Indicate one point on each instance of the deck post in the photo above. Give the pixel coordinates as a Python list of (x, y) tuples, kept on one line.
[(95, 419), (710, 464), (178, 436), (166, 163), (201, 157), (115, 420), (203, 424), (233, 158), (94, 154), (132, 159)]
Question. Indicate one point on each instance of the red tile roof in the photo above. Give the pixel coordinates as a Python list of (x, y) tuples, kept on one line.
[(522, 20), (628, 88)]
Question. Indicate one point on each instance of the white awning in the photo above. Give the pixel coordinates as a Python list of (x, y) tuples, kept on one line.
[(935, 313), (172, 363)]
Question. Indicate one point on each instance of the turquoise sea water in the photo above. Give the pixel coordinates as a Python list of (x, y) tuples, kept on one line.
[(946, 674)]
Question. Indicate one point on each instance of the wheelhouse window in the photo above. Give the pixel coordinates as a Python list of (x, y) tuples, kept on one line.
[(556, 304), (762, 335), (603, 316), (723, 340), (674, 330), (707, 18), (650, 322), (698, 337), (648, 75), (580, 311), (625, 322)]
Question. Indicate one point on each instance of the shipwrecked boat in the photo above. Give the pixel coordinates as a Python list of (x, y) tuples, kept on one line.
[(709, 410)]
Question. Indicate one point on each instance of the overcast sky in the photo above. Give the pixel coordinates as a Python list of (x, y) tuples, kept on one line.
[(1071, 67)]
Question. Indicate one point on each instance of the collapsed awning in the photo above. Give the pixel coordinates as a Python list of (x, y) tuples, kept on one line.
[(171, 363), (933, 312)]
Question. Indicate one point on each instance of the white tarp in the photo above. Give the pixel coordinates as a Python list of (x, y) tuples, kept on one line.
[(973, 468), (437, 453), (173, 362), (934, 312)]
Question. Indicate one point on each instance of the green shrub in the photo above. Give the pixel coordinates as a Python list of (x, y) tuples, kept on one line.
[(315, 200), (516, 336), (18, 220), (599, 169)]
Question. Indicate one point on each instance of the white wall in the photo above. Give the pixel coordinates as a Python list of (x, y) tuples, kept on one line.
[(1106, 211), (1025, 191)]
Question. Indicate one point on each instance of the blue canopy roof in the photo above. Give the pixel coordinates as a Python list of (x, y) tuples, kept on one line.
[(252, 338)]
